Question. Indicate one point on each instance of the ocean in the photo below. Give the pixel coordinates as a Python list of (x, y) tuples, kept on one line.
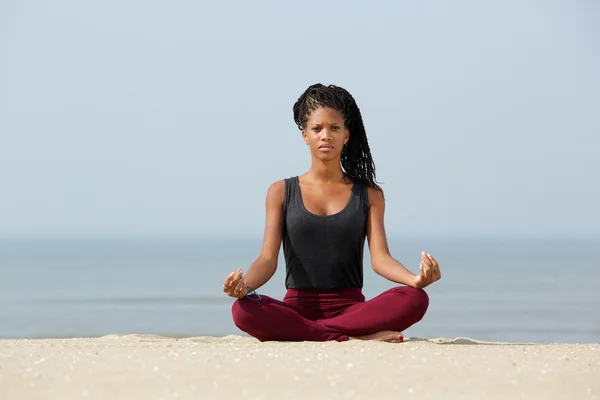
[(520, 289)]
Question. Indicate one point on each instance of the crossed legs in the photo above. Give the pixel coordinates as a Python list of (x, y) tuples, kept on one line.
[(270, 319)]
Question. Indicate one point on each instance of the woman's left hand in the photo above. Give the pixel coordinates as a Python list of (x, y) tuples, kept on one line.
[(235, 284), (429, 272)]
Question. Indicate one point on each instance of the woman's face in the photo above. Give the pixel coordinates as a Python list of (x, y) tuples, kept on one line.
[(325, 133)]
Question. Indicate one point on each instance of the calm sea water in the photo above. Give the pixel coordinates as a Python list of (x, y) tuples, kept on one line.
[(518, 290)]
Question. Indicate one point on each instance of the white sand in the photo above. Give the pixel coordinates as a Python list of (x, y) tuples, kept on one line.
[(235, 367)]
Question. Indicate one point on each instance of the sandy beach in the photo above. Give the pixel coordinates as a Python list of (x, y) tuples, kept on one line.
[(237, 367)]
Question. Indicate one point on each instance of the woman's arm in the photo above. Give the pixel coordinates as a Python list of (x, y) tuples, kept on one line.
[(382, 261), (263, 268)]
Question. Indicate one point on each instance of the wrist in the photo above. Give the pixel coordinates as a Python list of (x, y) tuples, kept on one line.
[(414, 282)]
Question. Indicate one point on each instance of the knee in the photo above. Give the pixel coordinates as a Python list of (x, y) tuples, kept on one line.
[(238, 314), (422, 300), (248, 317), (417, 299), (242, 314)]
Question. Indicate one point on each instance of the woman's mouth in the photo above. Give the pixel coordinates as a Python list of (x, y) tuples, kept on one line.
[(326, 147)]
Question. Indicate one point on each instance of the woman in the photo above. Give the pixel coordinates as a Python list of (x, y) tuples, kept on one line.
[(323, 217)]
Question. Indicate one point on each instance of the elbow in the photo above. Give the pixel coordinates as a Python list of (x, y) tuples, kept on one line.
[(268, 263), (378, 262), (375, 265), (378, 270)]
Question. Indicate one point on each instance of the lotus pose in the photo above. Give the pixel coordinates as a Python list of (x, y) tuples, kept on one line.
[(322, 217)]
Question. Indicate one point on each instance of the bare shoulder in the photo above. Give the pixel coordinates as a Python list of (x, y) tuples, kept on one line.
[(276, 192), (376, 196)]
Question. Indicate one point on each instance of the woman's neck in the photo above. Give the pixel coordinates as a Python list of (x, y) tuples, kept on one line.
[(326, 172)]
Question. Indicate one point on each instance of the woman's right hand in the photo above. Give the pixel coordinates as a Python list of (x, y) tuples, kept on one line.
[(235, 285)]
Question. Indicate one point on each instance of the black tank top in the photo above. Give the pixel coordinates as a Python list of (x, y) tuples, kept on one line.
[(324, 252)]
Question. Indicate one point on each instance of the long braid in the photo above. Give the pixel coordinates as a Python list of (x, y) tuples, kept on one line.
[(356, 159)]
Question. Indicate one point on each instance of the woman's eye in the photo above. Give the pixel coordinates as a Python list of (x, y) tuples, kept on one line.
[(335, 128)]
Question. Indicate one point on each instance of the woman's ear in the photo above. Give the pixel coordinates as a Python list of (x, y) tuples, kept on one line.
[(347, 136), (304, 137)]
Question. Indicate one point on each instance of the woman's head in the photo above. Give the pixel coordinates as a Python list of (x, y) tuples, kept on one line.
[(329, 114)]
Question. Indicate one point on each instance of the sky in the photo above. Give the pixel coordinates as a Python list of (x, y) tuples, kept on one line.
[(173, 118)]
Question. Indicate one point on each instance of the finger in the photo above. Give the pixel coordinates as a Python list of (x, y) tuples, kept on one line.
[(429, 266), (240, 290), (233, 282), (238, 287), (426, 260), (233, 285), (426, 267), (232, 276), (241, 286), (422, 271), (428, 273), (227, 282), (236, 279), (243, 290), (231, 291), (432, 260), (436, 266)]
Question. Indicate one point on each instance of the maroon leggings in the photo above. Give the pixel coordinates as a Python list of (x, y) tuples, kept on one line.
[(321, 315)]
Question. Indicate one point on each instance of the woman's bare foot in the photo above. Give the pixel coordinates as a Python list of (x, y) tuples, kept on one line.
[(383, 336)]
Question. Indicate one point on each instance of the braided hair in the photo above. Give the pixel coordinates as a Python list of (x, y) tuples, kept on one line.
[(356, 159)]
